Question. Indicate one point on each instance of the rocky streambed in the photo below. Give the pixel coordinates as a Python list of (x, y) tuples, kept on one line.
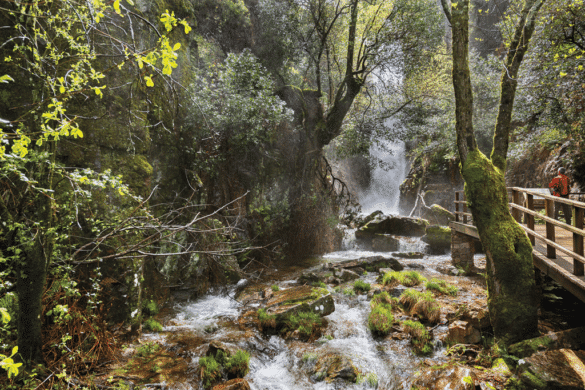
[(319, 324)]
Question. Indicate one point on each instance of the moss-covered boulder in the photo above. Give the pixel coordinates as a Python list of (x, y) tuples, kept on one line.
[(370, 264), (437, 215), (438, 238), (300, 299), (401, 226), (572, 339), (454, 378), (558, 369)]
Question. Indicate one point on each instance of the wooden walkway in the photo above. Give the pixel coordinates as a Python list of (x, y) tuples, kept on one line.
[(557, 247)]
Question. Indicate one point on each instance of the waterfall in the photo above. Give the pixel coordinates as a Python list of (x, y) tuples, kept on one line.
[(384, 191)]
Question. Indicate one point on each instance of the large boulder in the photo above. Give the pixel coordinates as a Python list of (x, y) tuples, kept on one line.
[(550, 370), (437, 215), (571, 339), (300, 299), (334, 366), (401, 226), (371, 264), (438, 238), (462, 332), (384, 243)]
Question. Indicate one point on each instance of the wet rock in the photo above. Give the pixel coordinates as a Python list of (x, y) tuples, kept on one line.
[(385, 243), (402, 226), (333, 366), (437, 215), (571, 339), (215, 346), (233, 384), (462, 332), (310, 277), (361, 221), (447, 269), (371, 264), (438, 238), (415, 266), (300, 299), (346, 275), (477, 315), (409, 255), (558, 369), (501, 367), (453, 378)]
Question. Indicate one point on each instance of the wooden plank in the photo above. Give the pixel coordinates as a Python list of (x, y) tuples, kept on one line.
[(552, 197), (558, 246), (465, 229), (578, 247), (552, 221), (516, 200), (456, 206)]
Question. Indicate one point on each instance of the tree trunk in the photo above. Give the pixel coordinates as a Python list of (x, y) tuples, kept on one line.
[(512, 298)]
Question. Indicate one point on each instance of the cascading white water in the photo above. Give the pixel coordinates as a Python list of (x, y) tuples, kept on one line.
[(384, 190)]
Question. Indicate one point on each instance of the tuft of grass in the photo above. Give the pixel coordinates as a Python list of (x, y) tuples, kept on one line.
[(349, 291), (406, 278), (307, 323), (382, 298), (267, 321), (238, 365), (275, 288), (420, 337), (361, 286), (409, 298), (380, 320), (151, 325), (442, 287), (421, 303), (210, 371)]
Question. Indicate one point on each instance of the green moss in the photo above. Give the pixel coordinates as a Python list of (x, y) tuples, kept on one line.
[(151, 325), (275, 288), (528, 347), (210, 371), (237, 366), (149, 308), (307, 323), (511, 287), (267, 321)]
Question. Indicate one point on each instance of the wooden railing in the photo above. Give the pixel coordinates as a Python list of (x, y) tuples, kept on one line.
[(525, 202)]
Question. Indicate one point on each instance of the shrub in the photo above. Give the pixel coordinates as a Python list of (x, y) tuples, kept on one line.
[(275, 288), (238, 365), (380, 320), (266, 320), (149, 308), (406, 278), (210, 371), (360, 285), (442, 287), (151, 325)]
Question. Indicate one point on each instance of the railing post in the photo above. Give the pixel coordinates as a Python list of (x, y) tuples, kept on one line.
[(464, 209), (578, 241), (516, 200), (456, 206), (529, 217), (549, 206)]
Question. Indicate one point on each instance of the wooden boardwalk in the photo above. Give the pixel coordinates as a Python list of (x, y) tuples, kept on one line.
[(557, 247)]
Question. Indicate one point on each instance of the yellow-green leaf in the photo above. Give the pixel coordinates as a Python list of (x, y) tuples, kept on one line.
[(149, 82)]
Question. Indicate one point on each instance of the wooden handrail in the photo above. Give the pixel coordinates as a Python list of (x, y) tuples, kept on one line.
[(517, 210)]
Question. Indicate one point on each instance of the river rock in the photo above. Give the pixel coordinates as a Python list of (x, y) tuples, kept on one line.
[(300, 299), (361, 221), (346, 275), (438, 238), (233, 384), (558, 369), (437, 215), (333, 366), (409, 255), (216, 346), (571, 339), (401, 226), (384, 243), (452, 378), (462, 332), (371, 264)]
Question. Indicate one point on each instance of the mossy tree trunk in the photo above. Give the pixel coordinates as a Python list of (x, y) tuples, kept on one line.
[(512, 297)]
